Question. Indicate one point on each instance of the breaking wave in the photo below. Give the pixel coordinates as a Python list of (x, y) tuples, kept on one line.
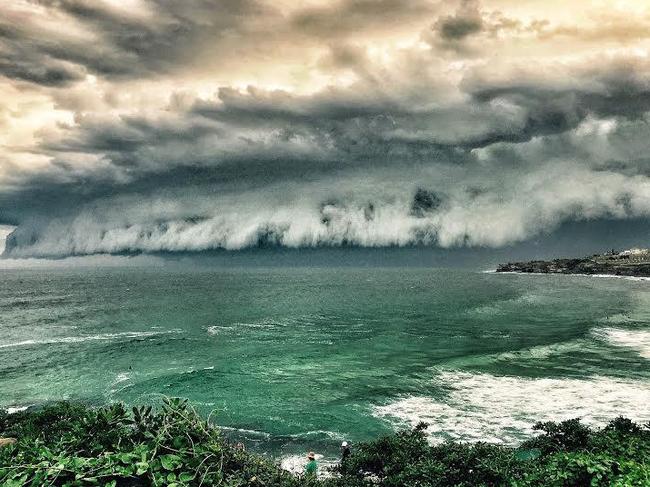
[(603, 276), (638, 340), (502, 409), (218, 329), (89, 338)]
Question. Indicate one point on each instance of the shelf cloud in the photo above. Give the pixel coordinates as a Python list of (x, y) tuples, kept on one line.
[(149, 125)]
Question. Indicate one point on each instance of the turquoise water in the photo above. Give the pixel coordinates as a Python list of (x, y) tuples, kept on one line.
[(301, 358)]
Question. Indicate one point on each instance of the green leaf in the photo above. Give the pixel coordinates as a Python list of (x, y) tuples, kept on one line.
[(170, 462), (185, 477), (125, 458), (142, 467), (179, 442)]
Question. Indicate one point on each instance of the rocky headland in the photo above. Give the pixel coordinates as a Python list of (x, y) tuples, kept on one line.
[(633, 262)]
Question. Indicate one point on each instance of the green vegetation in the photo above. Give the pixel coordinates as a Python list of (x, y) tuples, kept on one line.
[(68, 444)]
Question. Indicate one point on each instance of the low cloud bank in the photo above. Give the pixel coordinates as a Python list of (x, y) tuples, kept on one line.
[(345, 212)]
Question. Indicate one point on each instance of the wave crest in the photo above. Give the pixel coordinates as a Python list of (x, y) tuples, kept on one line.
[(502, 409)]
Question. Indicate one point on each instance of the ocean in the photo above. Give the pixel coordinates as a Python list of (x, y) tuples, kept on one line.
[(295, 359)]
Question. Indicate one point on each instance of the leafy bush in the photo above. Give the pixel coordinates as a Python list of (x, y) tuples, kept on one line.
[(72, 445), (568, 435), (68, 444), (565, 454)]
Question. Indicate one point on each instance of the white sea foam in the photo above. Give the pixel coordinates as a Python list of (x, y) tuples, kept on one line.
[(627, 278), (333, 435), (218, 329), (121, 377), (88, 338), (607, 276), (616, 319), (543, 351), (638, 340), (539, 352), (505, 305), (249, 432), (262, 324), (16, 409), (484, 407), (296, 464), (118, 383)]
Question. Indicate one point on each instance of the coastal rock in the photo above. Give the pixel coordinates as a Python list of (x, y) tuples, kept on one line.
[(633, 262)]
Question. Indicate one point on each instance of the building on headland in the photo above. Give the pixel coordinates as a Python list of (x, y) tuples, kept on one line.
[(635, 255)]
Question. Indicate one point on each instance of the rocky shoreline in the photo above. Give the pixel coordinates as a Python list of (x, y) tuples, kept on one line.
[(634, 263)]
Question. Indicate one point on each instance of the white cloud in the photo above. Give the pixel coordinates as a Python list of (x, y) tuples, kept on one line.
[(4, 231)]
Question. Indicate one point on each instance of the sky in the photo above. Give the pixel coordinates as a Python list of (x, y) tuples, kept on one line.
[(162, 126)]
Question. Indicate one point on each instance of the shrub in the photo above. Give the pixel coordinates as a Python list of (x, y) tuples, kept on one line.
[(66, 444), (72, 445)]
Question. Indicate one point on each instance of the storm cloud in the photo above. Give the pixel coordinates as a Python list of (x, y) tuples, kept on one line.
[(153, 126)]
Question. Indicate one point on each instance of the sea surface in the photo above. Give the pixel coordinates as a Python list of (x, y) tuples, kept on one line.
[(297, 359)]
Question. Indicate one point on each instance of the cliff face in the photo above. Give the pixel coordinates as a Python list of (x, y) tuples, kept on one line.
[(614, 264)]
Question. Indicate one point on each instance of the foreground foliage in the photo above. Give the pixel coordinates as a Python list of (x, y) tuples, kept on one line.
[(68, 444)]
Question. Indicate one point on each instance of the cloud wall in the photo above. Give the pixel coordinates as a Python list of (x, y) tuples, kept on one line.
[(152, 126)]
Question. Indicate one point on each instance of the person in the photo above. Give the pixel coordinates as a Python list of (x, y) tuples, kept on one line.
[(345, 451), (312, 467)]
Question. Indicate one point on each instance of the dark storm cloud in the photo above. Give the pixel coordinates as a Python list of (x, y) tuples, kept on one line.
[(42, 70), (360, 119), (346, 16), (169, 36), (459, 28), (263, 136), (116, 43), (452, 32), (465, 22), (436, 141), (292, 144)]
